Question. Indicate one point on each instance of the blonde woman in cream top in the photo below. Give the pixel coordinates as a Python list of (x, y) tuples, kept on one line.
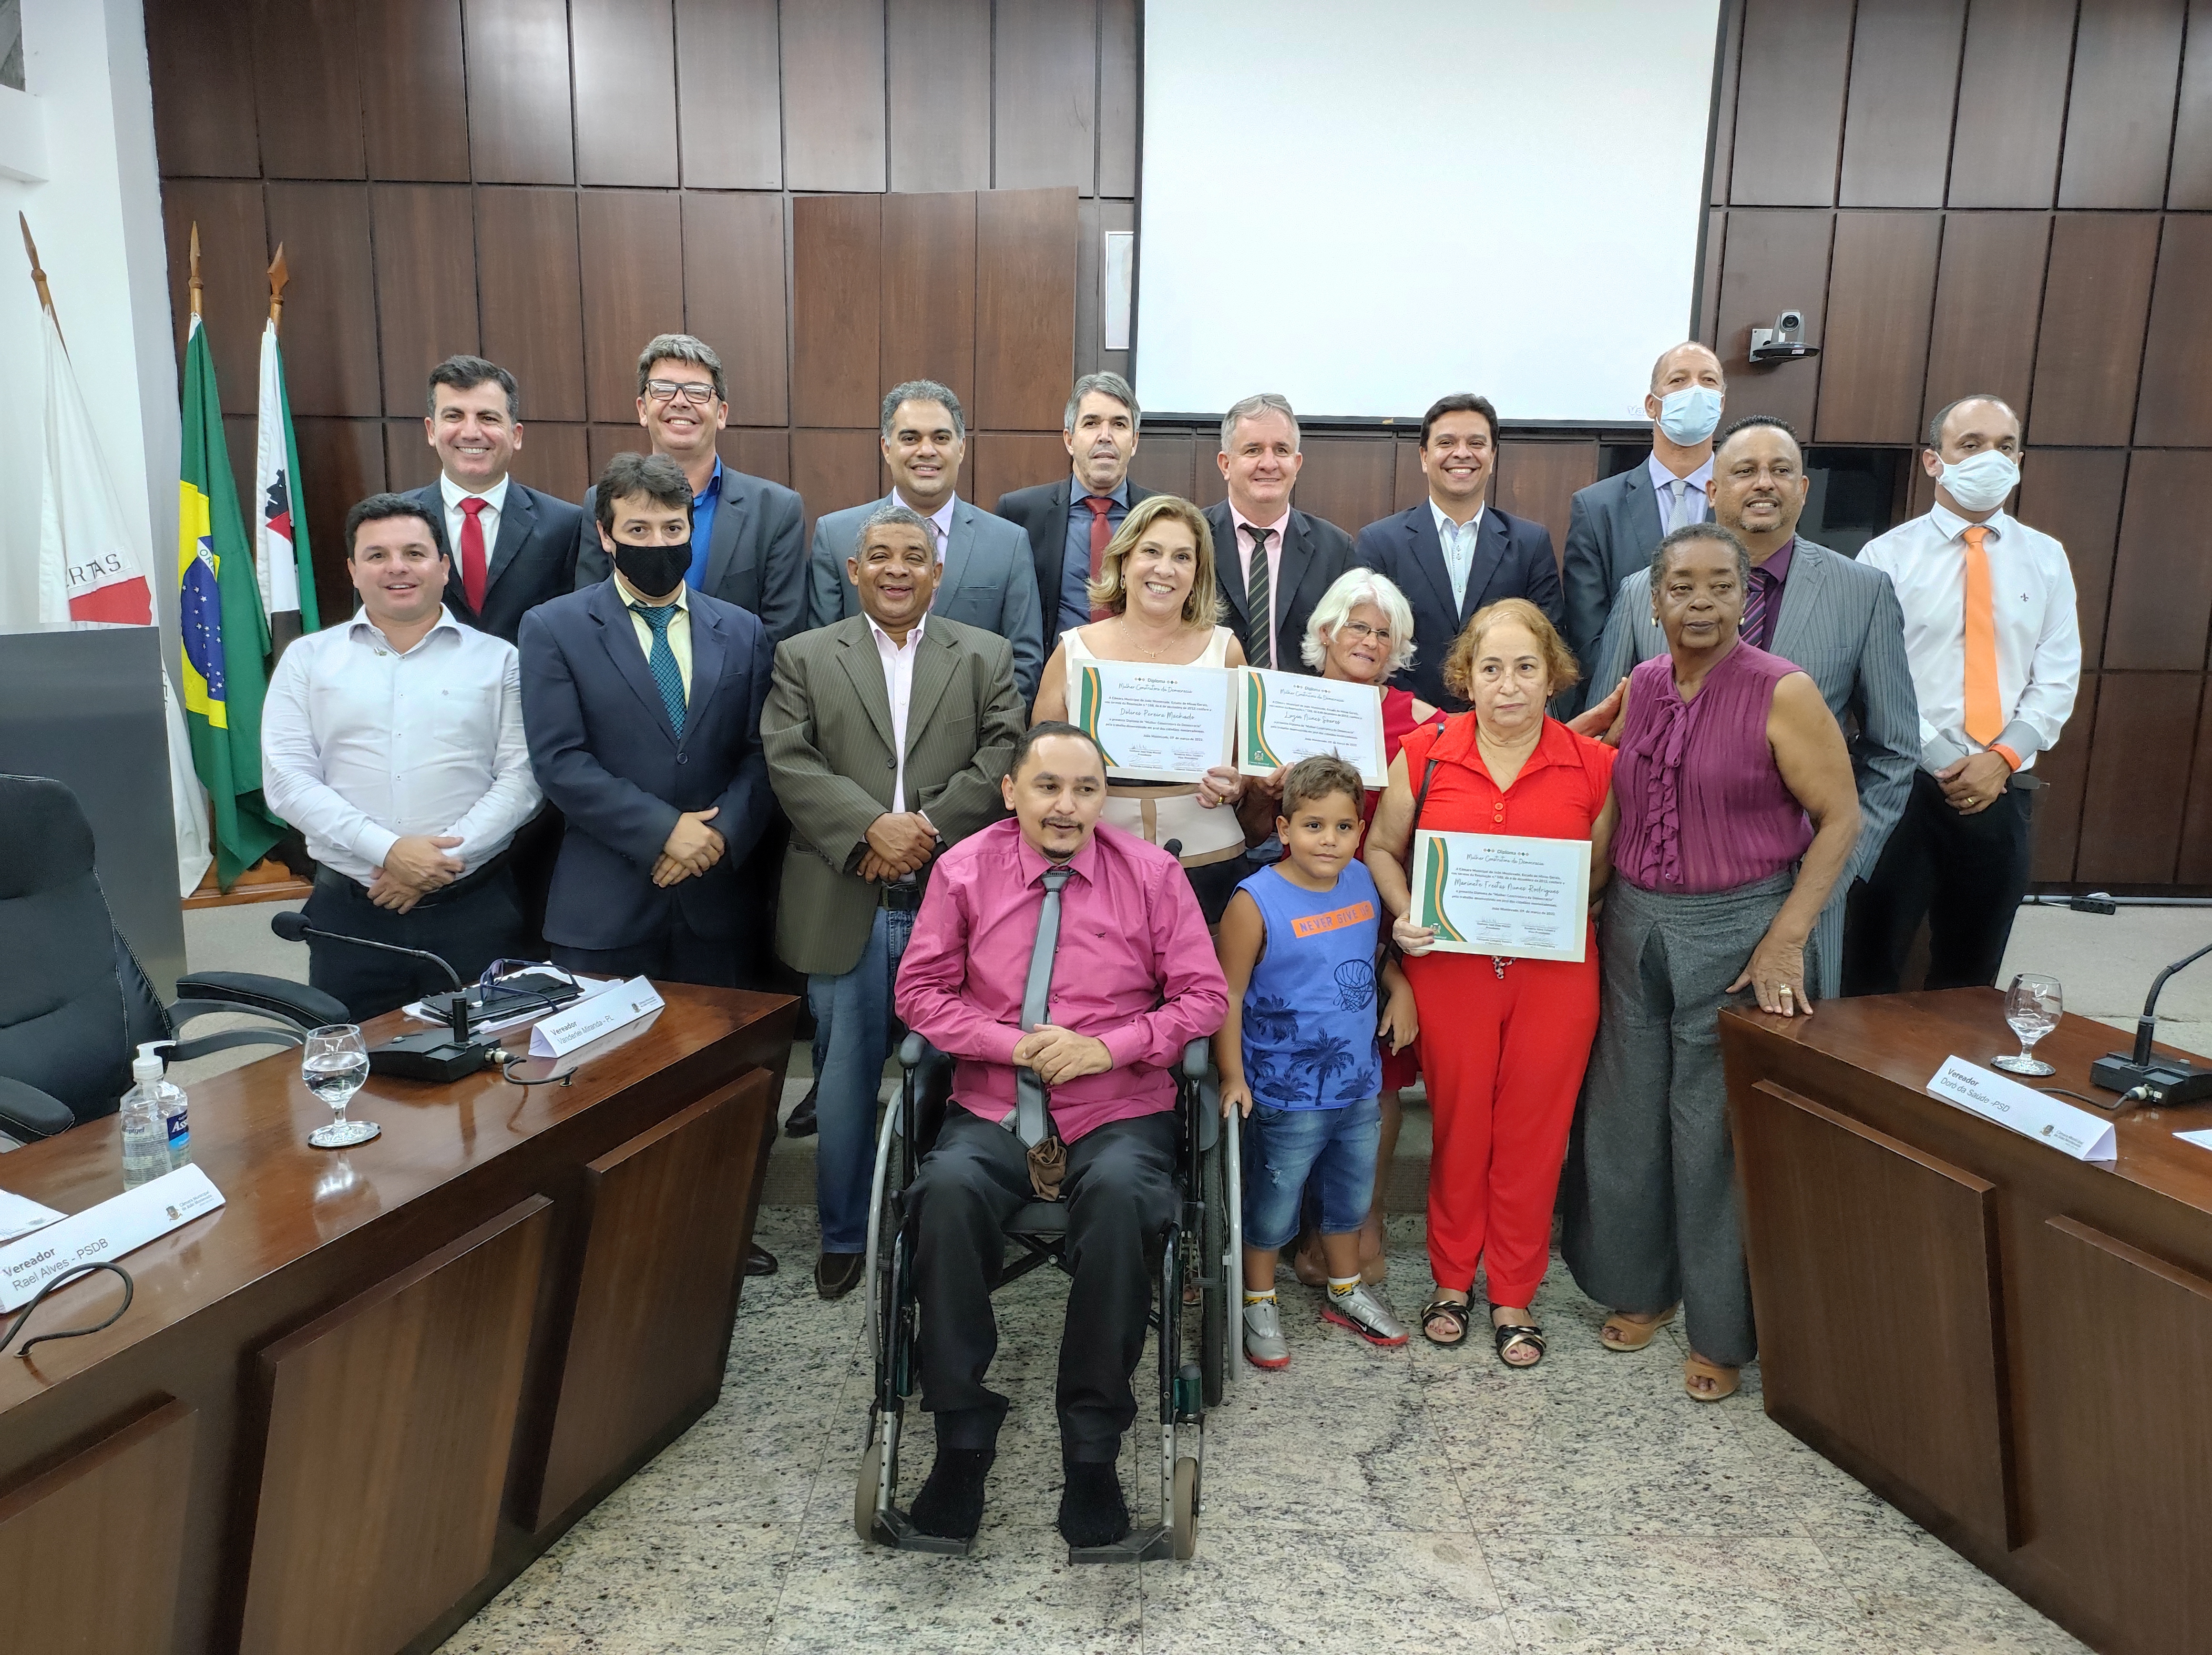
[(1157, 596)]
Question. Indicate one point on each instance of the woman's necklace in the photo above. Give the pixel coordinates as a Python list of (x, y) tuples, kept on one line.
[(1136, 638)]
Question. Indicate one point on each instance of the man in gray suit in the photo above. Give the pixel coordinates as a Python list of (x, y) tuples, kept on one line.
[(1837, 620), (987, 577), (746, 531), (887, 734), (1614, 526)]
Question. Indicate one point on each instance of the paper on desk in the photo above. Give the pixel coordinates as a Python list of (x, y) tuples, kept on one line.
[(2071, 1131), (421, 1012), (2201, 1140), (583, 1021), (105, 1233), (19, 1216)]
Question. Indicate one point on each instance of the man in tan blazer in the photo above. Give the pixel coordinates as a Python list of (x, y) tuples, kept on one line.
[(887, 734)]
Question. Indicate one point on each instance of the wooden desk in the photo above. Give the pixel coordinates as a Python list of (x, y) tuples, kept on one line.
[(346, 1410), (2011, 1346)]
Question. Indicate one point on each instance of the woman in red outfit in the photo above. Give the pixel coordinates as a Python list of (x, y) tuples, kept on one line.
[(1505, 1042)]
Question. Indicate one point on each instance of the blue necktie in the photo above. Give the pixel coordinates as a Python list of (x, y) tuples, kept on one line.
[(660, 661)]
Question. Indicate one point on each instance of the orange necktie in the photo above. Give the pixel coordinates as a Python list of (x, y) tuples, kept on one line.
[(1984, 709)]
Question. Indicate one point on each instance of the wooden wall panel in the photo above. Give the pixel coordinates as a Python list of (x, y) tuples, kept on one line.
[(928, 299), (603, 442), (759, 452), (1537, 480), (2011, 103), (729, 106), (2120, 111), (2189, 183), (633, 289), (414, 96), (1789, 103), (426, 283), (2074, 495), (519, 127), (1410, 484), (837, 276), (1882, 289), (2131, 834), (1904, 81), (1989, 298), (1725, 84), (62, 1535), (330, 308), (999, 462), (1346, 480), (340, 461), (2196, 864), (1165, 462), (2175, 408), (202, 60), (552, 459), (832, 469), (1707, 325), (233, 261), (938, 55), (1773, 260), (530, 280), (410, 462), (308, 88), (832, 95), (2095, 300), (1120, 80), (1095, 219), (2162, 577), (2056, 833), (1044, 119), (624, 52), (1024, 307), (734, 298)]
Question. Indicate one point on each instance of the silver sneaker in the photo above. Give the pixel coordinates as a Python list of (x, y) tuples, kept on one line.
[(1264, 1345), (1366, 1313)]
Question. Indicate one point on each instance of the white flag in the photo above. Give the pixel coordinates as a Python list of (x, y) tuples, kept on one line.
[(274, 556), (90, 569)]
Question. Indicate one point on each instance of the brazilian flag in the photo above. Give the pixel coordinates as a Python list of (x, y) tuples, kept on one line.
[(226, 636)]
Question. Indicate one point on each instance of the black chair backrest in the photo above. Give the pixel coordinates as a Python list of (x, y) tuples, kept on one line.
[(74, 1004)]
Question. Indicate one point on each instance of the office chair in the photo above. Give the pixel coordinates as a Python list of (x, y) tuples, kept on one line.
[(75, 1004)]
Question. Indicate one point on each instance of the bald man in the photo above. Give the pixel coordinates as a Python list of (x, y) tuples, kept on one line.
[(1614, 526)]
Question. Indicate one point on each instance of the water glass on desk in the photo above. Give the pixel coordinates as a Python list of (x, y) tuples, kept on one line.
[(2033, 1006), (335, 1065)]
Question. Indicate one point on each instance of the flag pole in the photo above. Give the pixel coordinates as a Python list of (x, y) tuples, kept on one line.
[(279, 274), (39, 275), (192, 284)]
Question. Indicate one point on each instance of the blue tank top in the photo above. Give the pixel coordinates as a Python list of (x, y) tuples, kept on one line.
[(1311, 1011)]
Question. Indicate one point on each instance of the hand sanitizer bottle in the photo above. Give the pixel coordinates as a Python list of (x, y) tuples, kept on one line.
[(153, 1118)]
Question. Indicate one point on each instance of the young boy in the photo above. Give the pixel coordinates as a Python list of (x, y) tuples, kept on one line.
[(1299, 945)]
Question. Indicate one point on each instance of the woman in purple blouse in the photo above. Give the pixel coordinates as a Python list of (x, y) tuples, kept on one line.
[(1737, 812)]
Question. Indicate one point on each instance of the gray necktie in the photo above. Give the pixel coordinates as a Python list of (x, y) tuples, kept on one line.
[(1031, 1123), (1259, 604), (1675, 512)]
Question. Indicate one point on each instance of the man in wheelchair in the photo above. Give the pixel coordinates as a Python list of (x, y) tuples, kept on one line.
[(1136, 981)]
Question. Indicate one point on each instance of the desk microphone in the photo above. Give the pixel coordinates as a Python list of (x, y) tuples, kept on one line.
[(435, 1055), (2154, 1079)]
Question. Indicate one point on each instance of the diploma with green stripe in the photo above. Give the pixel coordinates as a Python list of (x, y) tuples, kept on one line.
[(1283, 716), (1495, 893)]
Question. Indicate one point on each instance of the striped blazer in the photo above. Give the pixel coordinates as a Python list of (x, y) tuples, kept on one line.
[(827, 733)]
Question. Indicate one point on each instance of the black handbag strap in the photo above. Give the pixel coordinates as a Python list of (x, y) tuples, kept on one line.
[(1421, 799)]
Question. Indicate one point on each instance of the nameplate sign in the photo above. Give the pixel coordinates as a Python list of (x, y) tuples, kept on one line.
[(101, 1235), (19, 1218), (588, 1020), (2034, 1114)]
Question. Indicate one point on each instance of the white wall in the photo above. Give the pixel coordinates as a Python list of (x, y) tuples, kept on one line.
[(97, 217)]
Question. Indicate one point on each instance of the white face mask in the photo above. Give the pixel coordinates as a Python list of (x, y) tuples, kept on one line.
[(1690, 415), (1980, 482)]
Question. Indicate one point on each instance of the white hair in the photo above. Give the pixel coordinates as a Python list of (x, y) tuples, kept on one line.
[(1352, 589)]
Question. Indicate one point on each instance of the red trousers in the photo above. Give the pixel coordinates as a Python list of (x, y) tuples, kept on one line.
[(1503, 1057)]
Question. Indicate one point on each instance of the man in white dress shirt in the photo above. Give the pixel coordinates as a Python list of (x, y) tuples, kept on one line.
[(394, 742), (1994, 643)]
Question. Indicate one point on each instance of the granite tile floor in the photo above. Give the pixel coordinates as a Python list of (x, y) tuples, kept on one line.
[(1411, 1499)]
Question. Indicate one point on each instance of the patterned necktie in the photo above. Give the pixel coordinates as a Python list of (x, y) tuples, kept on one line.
[(1101, 532), (1984, 709), (473, 551), (1259, 603), (660, 661), (1031, 1123), (1755, 599)]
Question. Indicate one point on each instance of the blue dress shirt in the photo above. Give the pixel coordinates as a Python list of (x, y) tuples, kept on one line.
[(1075, 566), (702, 527)]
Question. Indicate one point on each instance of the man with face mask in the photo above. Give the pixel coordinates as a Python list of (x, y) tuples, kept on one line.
[(1614, 526), (1995, 646)]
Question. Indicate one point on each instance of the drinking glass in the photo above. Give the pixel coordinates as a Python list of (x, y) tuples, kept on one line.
[(2033, 1005), (335, 1064)]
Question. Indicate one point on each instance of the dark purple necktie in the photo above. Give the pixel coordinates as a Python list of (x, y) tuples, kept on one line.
[(1754, 608)]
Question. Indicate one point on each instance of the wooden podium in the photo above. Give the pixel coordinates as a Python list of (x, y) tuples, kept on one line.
[(2013, 1347)]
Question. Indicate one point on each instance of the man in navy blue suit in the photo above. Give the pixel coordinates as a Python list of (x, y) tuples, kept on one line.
[(1451, 554), (641, 701)]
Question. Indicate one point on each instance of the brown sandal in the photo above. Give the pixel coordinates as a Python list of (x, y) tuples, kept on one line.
[(1623, 1332), (1725, 1379)]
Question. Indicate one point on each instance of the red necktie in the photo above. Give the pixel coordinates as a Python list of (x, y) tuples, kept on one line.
[(1101, 532), (473, 552)]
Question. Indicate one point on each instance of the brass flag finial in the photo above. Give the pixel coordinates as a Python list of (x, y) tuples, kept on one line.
[(192, 282), (279, 274)]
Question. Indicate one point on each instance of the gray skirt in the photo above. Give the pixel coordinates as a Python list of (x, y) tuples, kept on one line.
[(1649, 1187)]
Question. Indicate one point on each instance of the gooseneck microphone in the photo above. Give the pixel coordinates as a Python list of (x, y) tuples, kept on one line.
[(2138, 1074), (445, 1055), (293, 927)]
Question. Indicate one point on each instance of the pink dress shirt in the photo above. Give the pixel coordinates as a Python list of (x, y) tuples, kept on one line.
[(1135, 970)]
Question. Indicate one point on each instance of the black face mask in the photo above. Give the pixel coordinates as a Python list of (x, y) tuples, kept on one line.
[(656, 571)]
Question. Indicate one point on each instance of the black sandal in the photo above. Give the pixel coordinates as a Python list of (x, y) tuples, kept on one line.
[(1454, 1310), (1506, 1334)]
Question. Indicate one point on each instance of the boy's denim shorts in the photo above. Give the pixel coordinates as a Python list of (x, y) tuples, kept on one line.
[(1282, 1147)]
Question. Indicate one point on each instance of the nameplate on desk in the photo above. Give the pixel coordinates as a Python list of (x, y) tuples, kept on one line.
[(102, 1234), (2071, 1131), (588, 1020)]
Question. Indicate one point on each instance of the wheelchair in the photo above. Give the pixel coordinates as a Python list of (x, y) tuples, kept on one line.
[(1197, 1330)]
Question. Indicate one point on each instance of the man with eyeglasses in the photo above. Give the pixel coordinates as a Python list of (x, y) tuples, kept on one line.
[(746, 544)]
